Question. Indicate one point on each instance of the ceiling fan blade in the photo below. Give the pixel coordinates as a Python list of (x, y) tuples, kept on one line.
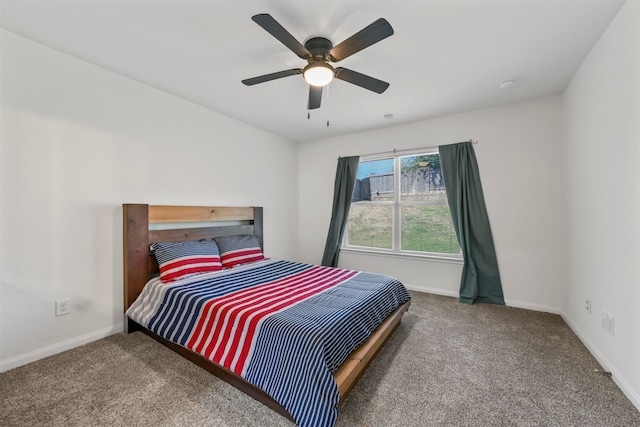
[(373, 33), (272, 26), (361, 80), (315, 96), (272, 76)]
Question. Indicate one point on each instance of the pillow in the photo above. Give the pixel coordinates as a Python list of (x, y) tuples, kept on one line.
[(239, 249), (178, 260)]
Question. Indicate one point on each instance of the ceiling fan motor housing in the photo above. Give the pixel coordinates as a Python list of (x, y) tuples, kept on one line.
[(319, 48)]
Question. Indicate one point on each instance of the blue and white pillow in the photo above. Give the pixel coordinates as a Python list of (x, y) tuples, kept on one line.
[(239, 249), (178, 260)]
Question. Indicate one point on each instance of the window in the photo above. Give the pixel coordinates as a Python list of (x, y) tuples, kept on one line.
[(399, 205)]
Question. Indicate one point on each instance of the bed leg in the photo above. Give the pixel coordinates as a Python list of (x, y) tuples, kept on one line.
[(130, 326)]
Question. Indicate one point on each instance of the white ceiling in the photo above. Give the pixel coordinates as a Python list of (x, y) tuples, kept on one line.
[(445, 57)]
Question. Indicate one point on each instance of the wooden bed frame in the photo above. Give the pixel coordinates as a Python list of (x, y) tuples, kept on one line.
[(140, 264)]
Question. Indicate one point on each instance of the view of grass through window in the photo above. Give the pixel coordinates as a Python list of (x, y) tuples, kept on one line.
[(370, 226), (424, 223), (428, 229)]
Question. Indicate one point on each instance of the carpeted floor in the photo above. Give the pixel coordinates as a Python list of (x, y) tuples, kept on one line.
[(447, 364)]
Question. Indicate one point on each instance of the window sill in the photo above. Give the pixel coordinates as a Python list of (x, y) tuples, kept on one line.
[(404, 255)]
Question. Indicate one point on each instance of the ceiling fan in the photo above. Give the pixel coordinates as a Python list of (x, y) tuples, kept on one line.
[(318, 52)]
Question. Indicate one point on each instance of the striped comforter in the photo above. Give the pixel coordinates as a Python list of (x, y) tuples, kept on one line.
[(283, 326)]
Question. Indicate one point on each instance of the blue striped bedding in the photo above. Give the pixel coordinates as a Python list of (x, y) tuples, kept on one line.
[(285, 327)]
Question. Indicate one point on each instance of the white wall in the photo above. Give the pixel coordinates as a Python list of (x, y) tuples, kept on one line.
[(521, 163), (602, 110), (77, 142)]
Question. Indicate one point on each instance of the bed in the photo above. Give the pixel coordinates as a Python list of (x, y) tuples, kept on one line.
[(146, 225)]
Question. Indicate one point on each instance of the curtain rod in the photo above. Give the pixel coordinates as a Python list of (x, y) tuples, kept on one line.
[(394, 151)]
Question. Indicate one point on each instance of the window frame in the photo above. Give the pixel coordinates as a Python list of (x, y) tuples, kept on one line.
[(396, 206)]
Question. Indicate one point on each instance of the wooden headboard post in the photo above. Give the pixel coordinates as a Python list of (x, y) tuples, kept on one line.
[(139, 264), (257, 225), (136, 253)]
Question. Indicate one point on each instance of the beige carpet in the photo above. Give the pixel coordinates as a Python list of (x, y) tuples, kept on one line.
[(448, 364)]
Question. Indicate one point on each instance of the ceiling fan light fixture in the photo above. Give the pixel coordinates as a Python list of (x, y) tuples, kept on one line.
[(318, 73)]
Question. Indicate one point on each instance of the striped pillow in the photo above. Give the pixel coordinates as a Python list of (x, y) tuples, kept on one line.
[(239, 249), (178, 260)]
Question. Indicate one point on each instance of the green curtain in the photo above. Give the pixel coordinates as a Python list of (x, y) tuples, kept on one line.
[(480, 280), (342, 192)]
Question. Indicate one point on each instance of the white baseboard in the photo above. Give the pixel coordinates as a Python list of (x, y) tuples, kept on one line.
[(510, 303), (427, 290), (32, 356), (534, 307), (604, 362)]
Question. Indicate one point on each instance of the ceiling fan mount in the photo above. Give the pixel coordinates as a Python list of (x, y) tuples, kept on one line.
[(319, 52), (319, 48)]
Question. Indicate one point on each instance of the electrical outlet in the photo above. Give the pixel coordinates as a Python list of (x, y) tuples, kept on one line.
[(608, 322), (587, 305), (63, 306)]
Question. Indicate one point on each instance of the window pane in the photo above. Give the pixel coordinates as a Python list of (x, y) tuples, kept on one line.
[(369, 225), (421, 179), (428, 228), (374, 181), (424, 222)]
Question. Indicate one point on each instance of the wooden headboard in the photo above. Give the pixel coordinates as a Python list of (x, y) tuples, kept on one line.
[(147, 224)]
